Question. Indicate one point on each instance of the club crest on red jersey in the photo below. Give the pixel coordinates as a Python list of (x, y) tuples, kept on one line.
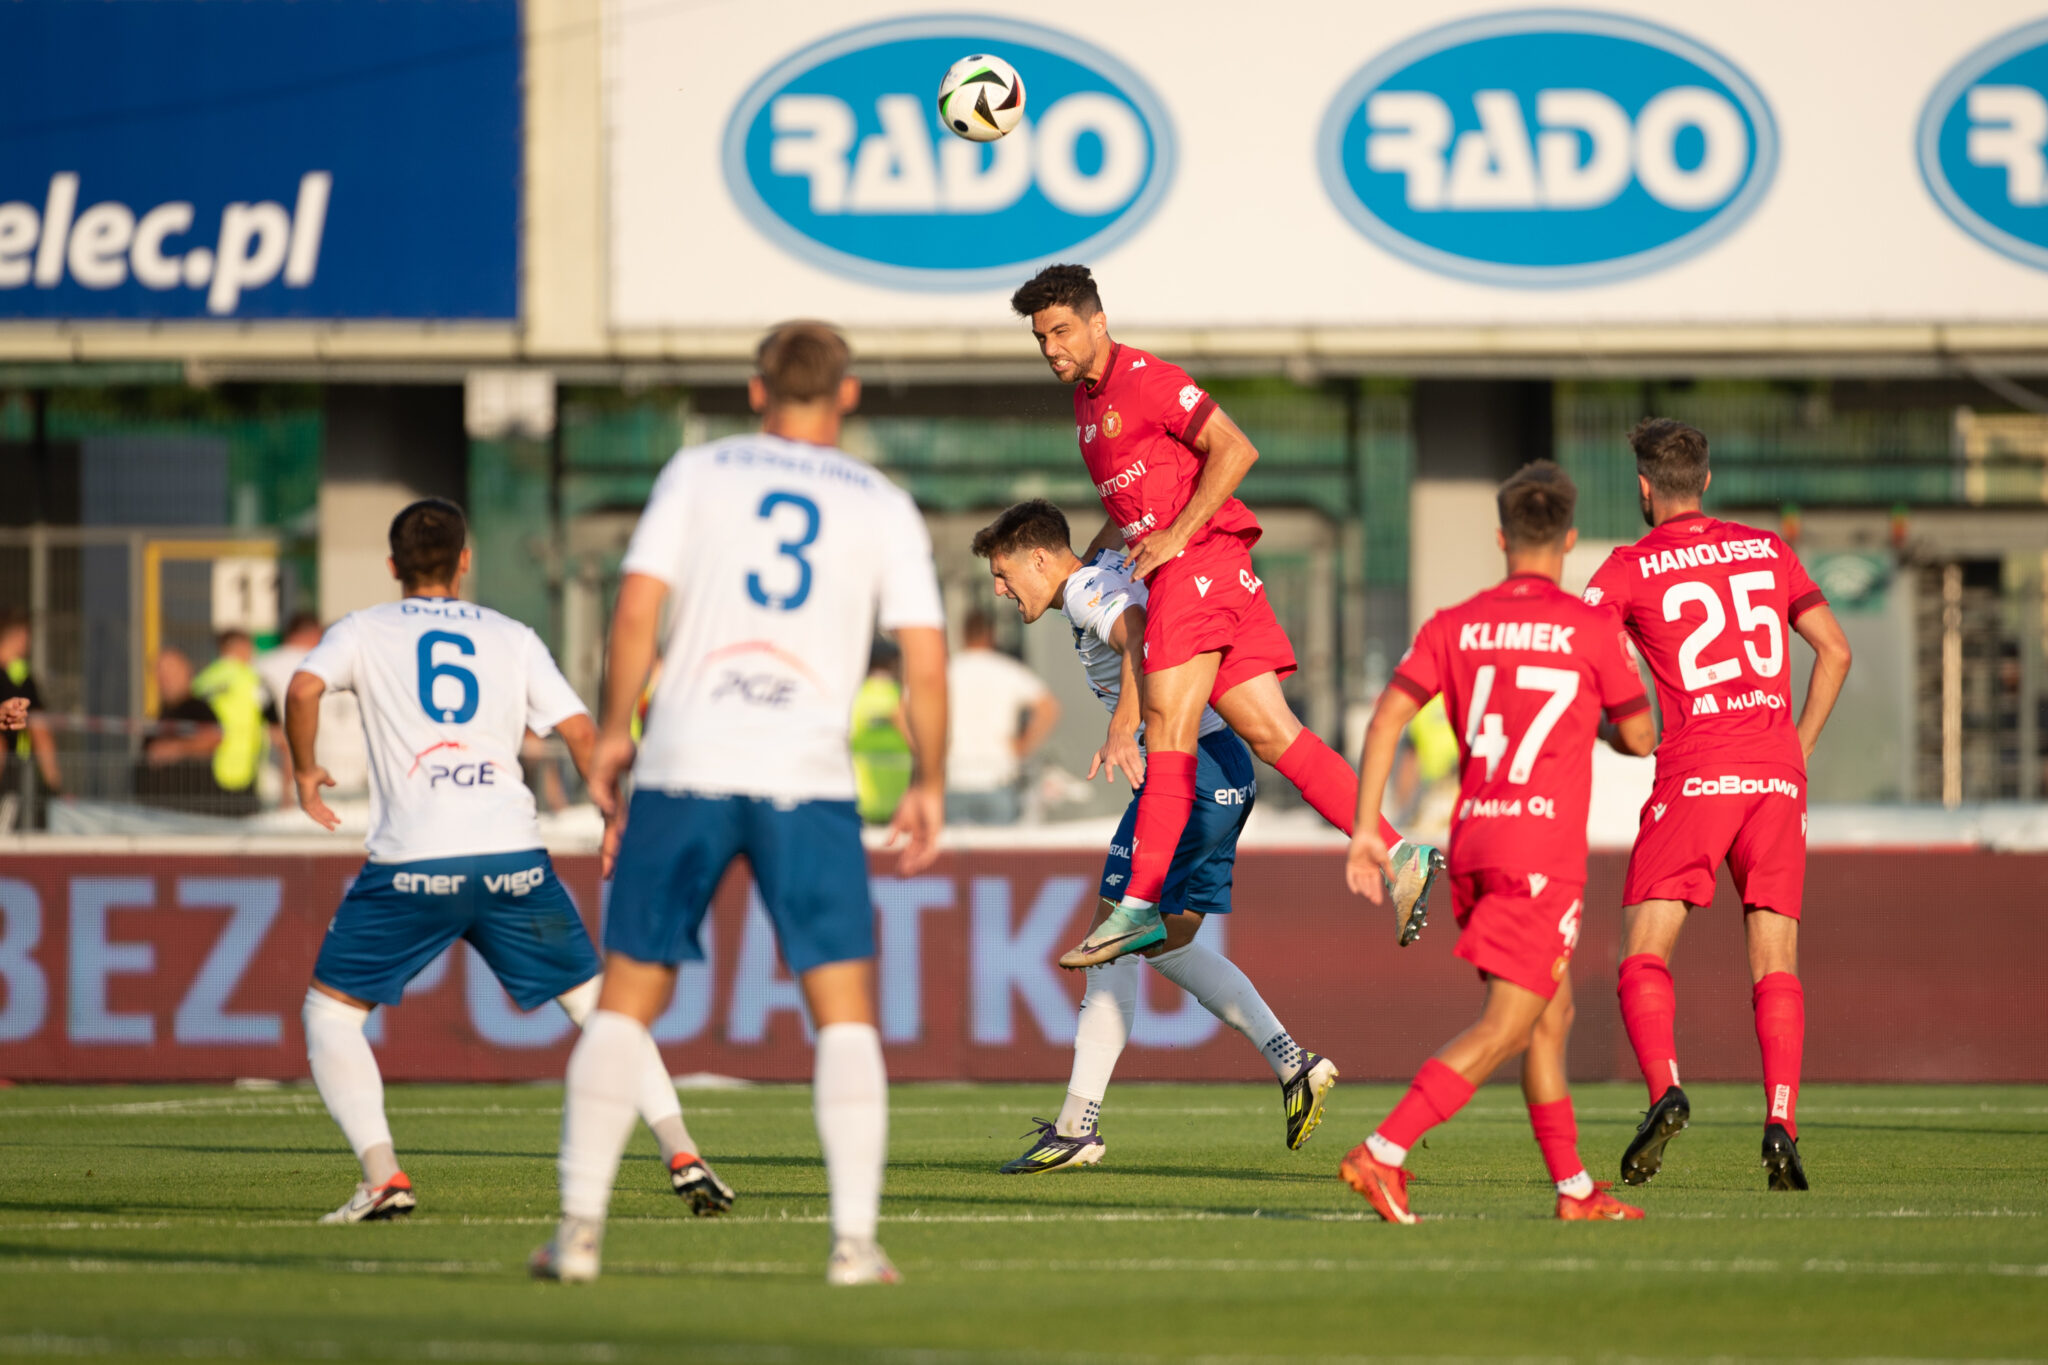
[(1112, 424)]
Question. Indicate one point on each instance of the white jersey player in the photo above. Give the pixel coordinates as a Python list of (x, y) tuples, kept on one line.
[(1033, 563), (777, 556), (447, 691)]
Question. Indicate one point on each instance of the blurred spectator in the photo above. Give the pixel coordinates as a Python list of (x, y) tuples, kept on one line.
[(31, 783), (881, 748), (341, 748), (1426, 778), (1001, 713), (205, 759)]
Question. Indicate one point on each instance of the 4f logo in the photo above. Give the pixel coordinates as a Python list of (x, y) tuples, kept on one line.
[(1251, 583)]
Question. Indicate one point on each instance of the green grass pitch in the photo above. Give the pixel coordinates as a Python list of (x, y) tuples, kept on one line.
[(177, 1223)]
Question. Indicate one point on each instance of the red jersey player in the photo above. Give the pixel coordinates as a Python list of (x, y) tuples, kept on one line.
[(1528, 671), (1708, 603), (1167, 461)]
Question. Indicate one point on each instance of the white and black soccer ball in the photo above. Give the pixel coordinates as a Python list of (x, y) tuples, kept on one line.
[(981, 98)]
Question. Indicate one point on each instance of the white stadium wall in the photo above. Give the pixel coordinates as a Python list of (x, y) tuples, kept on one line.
[(1372, 185)]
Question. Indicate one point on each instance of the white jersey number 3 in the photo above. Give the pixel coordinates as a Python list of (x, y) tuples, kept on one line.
[(1486, 732), (1749, 616)]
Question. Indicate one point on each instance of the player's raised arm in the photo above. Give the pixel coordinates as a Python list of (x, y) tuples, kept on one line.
[(1831, 657), (1108, 538), (1366, 865), (629, 658), (301, 733), (1120, 751), (922, 813), (1229, 455)]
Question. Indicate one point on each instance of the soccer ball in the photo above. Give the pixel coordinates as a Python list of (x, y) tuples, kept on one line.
[(981, 98)]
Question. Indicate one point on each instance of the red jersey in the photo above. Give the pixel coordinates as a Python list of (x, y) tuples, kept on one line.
[(1526, 670), (1710, 604), (1137, 428)]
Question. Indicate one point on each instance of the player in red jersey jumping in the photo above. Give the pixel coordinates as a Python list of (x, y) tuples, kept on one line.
[(1529, 672), (1166, 462), (1708, 603)]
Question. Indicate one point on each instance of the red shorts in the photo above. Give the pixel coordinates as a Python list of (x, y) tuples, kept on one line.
[(1517, 927), (1209, 600), (1750, 815)]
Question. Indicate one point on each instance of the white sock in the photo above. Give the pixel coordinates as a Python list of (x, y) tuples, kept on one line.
[(850, 1092), (1578, 1186), (1107, 1009), (659, 1108), (345, 1070), (1226, 992), (1383, 1150), (597, 1110)]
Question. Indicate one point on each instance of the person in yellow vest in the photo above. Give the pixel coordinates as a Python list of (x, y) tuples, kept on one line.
[(234, 689), (881, 752), (18, 692)]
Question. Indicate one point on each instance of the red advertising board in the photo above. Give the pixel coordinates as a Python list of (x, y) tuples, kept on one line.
[(131, 967)]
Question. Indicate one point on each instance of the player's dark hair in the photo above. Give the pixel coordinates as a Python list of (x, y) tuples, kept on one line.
[(802, 362), (979, 627), (1536, 505), (1672, 456), (301, 620), (1070, 285), (1032, 525), (13, 618), (426, 542)]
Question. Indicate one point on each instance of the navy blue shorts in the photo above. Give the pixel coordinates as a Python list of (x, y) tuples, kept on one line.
[(398, 917), (806, 856), (1200, 876)]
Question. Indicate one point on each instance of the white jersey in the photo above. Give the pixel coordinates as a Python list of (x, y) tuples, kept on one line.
[(448, 690), (781, 559), (1095, 598)]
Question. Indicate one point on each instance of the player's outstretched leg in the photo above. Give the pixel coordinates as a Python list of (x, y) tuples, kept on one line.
[(345, 1071), (689, 1174), (1306, 1078), (1258, 711), (1376, 1167), (1108, 1008)]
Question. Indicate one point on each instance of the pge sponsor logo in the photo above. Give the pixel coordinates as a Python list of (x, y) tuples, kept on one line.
[(755, 689), (106, 244), (1731, 785), (838, 155), (1547, 148), (1981, 144)]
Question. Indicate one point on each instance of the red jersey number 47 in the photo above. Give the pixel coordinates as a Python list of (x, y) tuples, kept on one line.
[(1486, 734)]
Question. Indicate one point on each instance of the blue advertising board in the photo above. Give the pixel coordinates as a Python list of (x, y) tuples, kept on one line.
[(1983, 144), (234, 160)]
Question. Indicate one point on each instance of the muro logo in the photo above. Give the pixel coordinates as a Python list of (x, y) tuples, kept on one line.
[(1980, 144), (1547, 148), (838, 155)]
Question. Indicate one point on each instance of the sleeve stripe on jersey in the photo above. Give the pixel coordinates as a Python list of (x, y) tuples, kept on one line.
[(1412, 688), (1197, 419), (1635, 706), (1807, 602)]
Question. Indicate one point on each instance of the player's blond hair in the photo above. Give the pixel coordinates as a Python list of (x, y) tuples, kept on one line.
[(802, 362)]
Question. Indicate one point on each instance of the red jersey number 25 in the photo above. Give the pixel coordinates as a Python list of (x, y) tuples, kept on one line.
[(1749, 616)]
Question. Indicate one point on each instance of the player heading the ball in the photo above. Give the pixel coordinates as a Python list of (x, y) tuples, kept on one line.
[(1532, 675), (1166, 461)]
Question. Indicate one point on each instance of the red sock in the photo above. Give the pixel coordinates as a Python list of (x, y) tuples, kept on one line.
[(1781, 1034), (1328, 783), (1163, 810), (1649, 1010), (1557, 1133), (1436, 1093)]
